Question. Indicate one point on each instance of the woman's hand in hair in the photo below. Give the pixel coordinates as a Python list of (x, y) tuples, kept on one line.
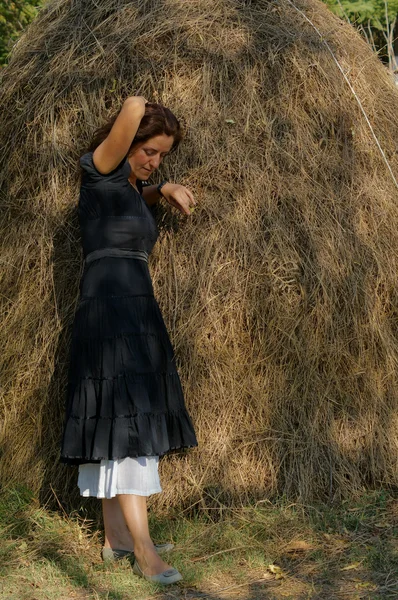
[(179, 196), (137, 100)]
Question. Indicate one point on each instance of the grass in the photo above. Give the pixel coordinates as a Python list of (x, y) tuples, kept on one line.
[(269, 551)]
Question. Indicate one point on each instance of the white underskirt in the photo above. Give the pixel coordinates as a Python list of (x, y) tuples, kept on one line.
[(129, 475)]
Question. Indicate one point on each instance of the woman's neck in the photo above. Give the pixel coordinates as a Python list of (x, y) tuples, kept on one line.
[(133, 181)]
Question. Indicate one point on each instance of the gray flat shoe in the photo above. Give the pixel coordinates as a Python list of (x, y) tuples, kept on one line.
[(160, 548), (166, 578), (111, 554)]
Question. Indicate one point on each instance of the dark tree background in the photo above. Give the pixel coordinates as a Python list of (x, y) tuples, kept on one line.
[(14, 17)]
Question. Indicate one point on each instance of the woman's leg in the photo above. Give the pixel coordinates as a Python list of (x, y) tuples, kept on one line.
[(117, 534), (134, 510)]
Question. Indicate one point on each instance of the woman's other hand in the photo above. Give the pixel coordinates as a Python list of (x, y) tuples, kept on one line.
[(179, 196), (137, 101)]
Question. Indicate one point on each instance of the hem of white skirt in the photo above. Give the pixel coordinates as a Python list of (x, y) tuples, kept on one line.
[(88, 493)]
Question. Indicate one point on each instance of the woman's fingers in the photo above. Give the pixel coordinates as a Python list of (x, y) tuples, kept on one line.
[(182, 198), (145, 101), (190, 196), (185, 206), (189, 202)]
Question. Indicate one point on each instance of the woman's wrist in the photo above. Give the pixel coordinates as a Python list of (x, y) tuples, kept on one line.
[(160, 188)]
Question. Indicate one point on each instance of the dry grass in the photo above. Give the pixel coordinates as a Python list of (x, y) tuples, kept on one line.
[(279, 292)]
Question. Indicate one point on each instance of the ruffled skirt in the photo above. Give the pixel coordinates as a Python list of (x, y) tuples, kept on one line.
[(124, 395), (108, 478)]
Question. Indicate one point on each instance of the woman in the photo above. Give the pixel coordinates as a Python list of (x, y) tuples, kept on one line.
[(125, 405)]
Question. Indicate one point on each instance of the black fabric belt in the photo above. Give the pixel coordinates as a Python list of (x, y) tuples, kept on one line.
[(118, 252)]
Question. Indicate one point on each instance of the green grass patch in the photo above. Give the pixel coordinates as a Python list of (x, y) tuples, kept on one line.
[(271, 551)]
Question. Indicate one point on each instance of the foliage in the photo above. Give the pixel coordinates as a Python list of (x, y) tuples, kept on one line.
[(366, 11), (14, 17), (376, 21)]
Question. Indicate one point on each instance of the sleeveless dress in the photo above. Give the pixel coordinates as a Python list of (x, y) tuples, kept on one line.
[(124, 396)]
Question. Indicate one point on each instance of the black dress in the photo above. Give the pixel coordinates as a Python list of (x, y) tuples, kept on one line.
[(124, 395)]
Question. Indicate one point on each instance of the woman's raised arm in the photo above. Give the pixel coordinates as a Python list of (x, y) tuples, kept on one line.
[(115, 146)]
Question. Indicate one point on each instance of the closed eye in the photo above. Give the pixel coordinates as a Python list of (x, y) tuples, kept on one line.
[(150, 152)]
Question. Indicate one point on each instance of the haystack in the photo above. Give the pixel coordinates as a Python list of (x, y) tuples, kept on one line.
[(279, 293)]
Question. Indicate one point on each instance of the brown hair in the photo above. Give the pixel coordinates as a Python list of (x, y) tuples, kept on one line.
[(157, 120)]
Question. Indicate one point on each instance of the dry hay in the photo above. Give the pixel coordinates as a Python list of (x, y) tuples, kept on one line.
[(279, 292)]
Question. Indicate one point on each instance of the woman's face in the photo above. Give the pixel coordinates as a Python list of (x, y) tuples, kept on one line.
[(147, 156)]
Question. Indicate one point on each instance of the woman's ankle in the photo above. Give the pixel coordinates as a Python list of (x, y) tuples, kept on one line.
[(119, 544), (148, 559), (144, 547)]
